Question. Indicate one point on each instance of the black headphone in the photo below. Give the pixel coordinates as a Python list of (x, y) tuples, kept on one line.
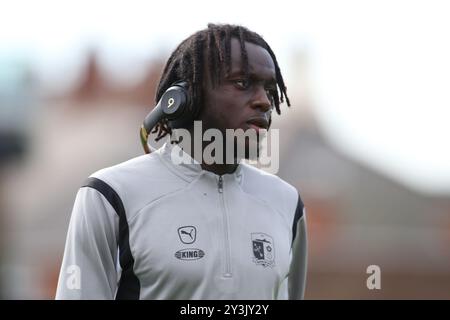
[(173, 106)]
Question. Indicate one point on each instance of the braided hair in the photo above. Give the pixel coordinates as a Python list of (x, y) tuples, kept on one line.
[(186, 63)]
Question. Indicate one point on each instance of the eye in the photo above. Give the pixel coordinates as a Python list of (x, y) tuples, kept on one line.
[(271, 91), (270, 88), (242, 83), (271, 99)]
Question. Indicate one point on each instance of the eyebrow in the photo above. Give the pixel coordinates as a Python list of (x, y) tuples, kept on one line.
[(252, 75)]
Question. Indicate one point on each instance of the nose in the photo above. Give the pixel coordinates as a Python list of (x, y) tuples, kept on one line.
[(261, 100)]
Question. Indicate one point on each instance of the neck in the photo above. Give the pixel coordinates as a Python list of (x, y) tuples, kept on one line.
[(219, 169)]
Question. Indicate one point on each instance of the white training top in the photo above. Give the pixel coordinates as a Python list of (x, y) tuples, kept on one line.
[(152, 229)]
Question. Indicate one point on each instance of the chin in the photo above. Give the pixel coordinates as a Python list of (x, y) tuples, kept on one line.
[(252, 150), (248, 147)]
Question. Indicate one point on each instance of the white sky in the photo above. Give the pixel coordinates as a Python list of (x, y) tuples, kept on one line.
[(380, 69)]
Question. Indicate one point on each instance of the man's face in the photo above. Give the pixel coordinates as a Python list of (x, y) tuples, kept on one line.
[(238, 102)]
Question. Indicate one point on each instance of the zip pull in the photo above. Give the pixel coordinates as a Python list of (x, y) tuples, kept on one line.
[(220, 184)]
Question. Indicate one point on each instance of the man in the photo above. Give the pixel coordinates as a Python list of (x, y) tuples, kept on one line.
[(151, 228)]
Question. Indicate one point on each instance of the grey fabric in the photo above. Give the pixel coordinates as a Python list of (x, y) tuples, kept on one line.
[(192, 234)]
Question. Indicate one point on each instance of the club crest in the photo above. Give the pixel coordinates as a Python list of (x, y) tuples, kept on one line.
[(263, 249)]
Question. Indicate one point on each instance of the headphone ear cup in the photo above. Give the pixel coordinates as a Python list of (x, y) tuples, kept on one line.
[(174, 105), (186, 112)]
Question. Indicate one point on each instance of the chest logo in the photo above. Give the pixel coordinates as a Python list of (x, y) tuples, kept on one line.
[(187, 234), (263, 249), (189, 254)]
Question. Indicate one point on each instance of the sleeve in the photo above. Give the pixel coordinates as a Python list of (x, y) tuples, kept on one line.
[(88, 269), (299, 259)]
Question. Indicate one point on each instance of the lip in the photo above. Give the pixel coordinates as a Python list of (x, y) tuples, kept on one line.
[(258, 123)]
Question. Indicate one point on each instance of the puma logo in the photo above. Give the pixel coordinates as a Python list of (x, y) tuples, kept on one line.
[(187, 234)]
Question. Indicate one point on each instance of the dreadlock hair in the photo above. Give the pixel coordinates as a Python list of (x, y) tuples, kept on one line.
[(186, 63)]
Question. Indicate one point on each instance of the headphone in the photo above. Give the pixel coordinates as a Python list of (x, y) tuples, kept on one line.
[(172, 106)]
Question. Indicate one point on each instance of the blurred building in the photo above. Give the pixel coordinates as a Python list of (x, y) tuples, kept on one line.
[(358, 217), (16, 94), (71, 135)]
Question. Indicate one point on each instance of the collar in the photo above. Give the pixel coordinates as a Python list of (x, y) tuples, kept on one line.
[(187, 168)]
